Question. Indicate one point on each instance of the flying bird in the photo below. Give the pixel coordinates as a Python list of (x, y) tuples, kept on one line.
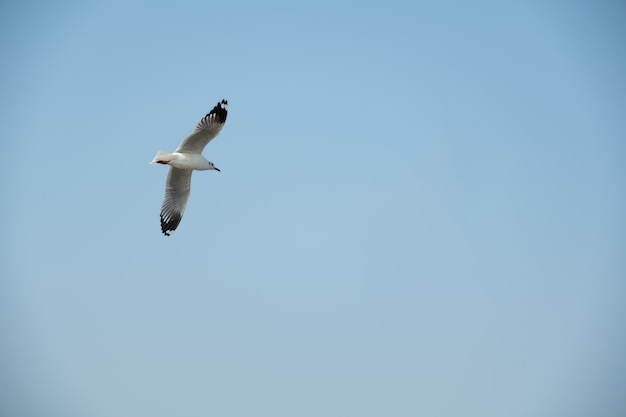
[(185, 159)]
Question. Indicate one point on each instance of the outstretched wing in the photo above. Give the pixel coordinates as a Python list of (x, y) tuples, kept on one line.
[(207, 129), (177, 189)]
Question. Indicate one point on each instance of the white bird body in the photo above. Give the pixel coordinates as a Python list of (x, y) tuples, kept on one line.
[(183, 161)]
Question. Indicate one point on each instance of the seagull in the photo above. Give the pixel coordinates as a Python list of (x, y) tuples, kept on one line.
[(185, 159)]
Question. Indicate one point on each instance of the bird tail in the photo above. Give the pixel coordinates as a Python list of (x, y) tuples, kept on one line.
[(162, 158)]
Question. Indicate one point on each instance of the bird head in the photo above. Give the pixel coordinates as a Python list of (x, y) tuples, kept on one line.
[(211, 166)]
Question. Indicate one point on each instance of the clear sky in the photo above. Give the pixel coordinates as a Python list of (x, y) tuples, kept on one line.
[(420, 210)]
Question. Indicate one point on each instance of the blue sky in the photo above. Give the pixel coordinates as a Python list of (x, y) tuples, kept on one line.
[(420, 209)]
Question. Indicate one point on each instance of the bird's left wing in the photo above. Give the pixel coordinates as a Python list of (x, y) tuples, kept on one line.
[(207, 129), (176, 195)]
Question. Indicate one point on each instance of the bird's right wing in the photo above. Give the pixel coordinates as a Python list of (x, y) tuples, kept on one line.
[(207, 129), (177, 189)]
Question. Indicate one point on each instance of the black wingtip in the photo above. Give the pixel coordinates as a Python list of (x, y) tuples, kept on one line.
[(220, 111), (169, 223)]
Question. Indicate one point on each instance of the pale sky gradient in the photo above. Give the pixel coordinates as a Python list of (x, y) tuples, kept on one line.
[(420, 210)]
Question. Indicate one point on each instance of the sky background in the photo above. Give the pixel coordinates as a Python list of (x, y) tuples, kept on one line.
[(420, 210)]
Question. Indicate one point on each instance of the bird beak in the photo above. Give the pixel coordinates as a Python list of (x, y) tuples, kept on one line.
[(217, 169)]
